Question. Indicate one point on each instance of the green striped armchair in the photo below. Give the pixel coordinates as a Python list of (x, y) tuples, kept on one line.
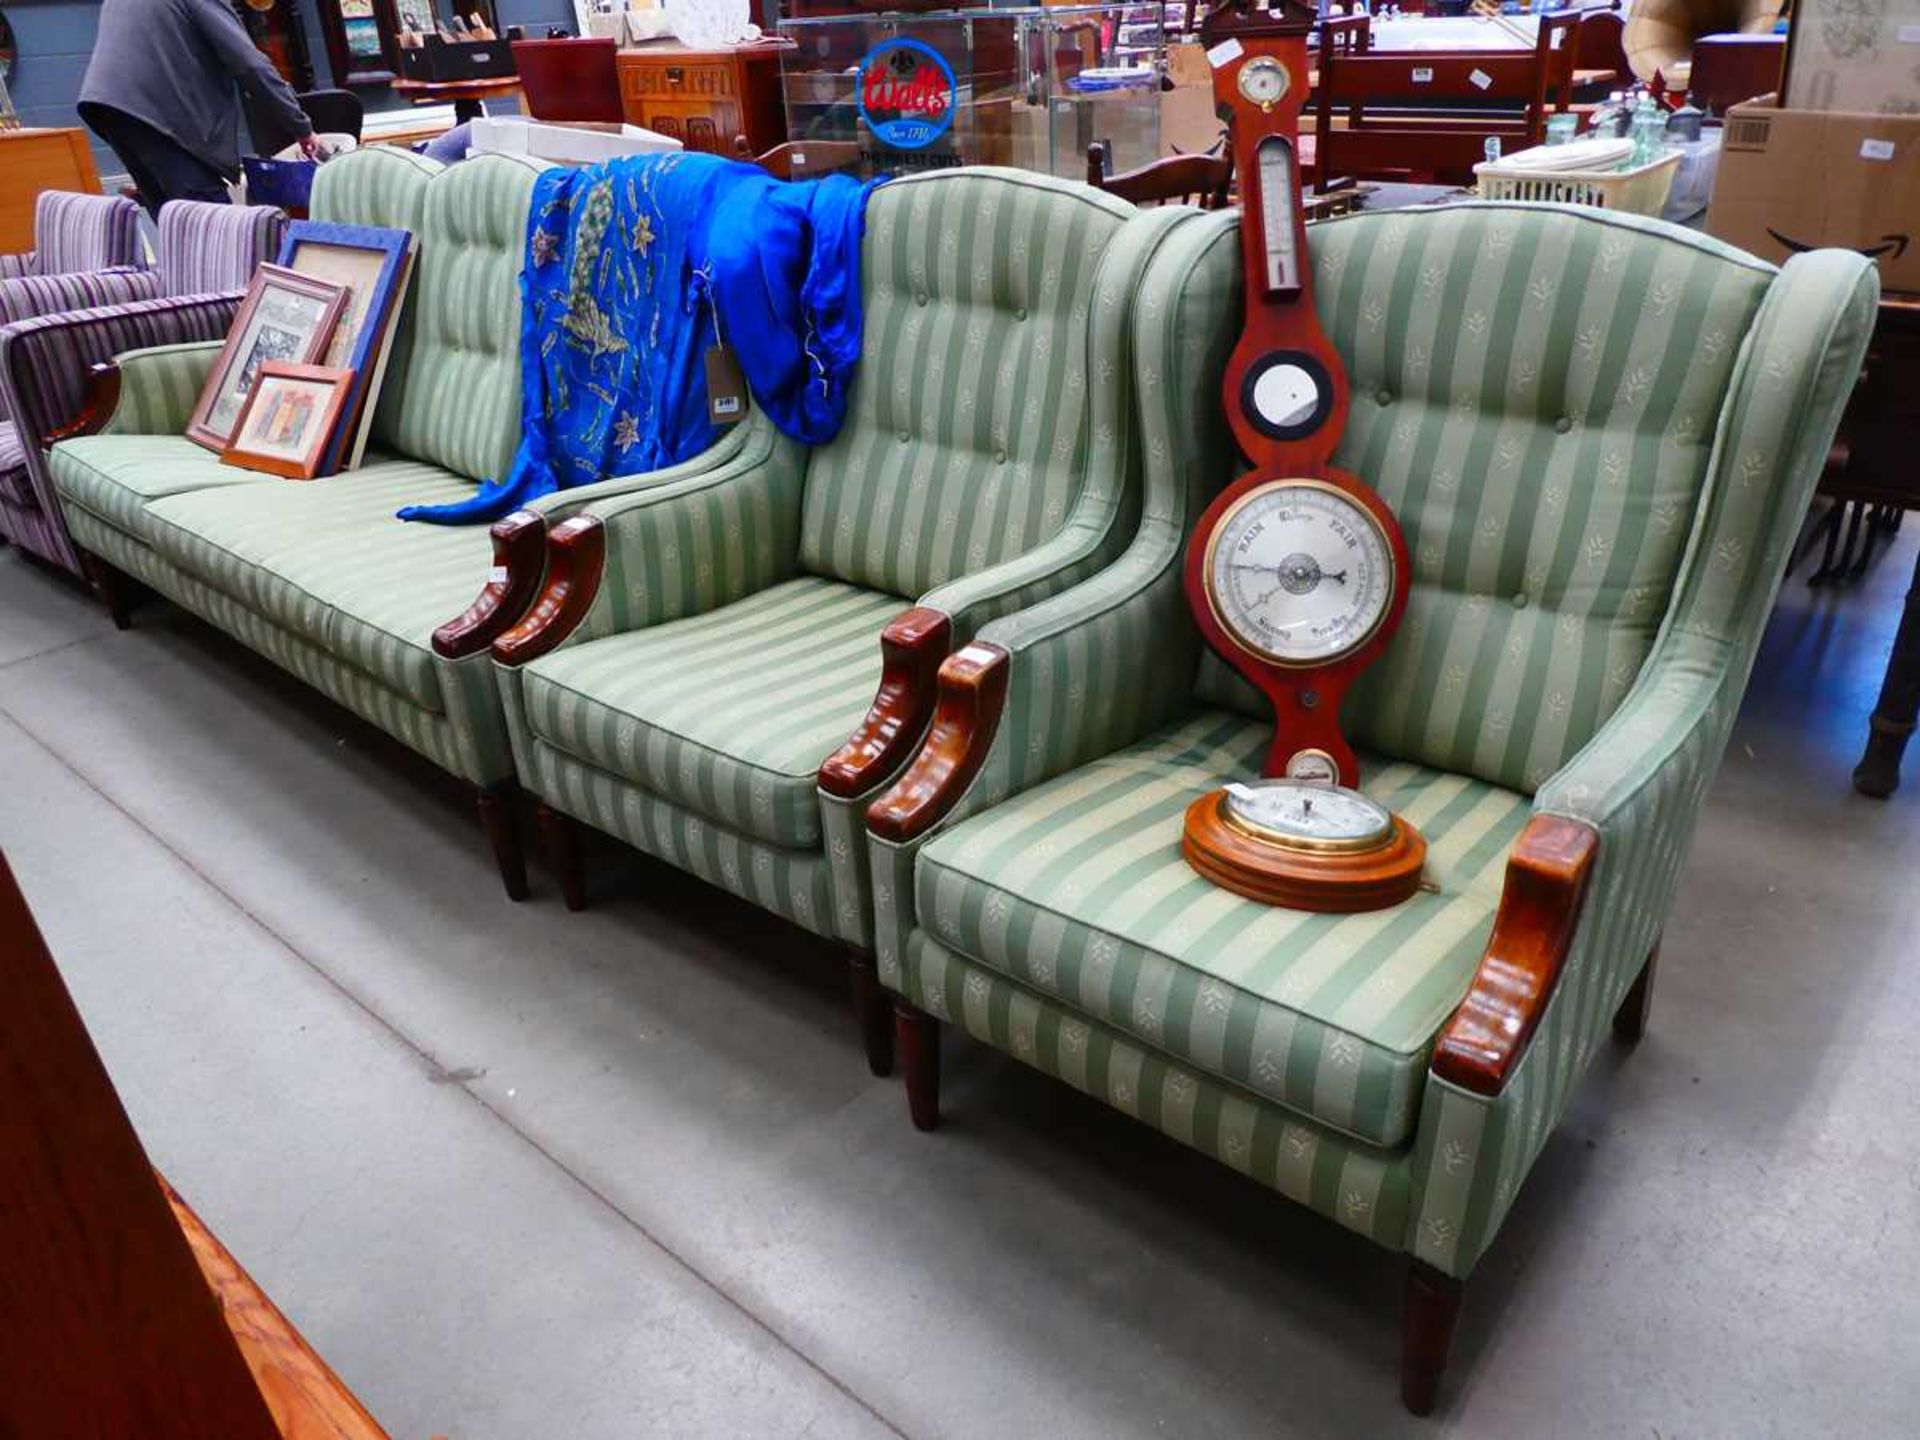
[(723, 671), (1599, 435)]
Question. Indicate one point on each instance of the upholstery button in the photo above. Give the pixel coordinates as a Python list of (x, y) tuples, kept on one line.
[(920, 299), (1520, 601), (999, 457), (903, 437), (1384, 397), (1021, 313), (1563, 424)]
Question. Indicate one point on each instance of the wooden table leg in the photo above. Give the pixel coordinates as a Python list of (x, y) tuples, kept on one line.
[(1878, 773)]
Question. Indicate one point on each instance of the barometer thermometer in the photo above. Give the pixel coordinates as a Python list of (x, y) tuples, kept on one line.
[(1297, 573)]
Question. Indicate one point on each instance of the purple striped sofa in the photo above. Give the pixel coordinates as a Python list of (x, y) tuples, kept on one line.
[(207, 256)]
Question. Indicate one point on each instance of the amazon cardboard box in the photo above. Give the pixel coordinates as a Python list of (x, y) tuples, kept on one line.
[(1798, 179)]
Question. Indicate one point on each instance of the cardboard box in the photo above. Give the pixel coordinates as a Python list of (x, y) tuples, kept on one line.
[(1188, 125), (1798, 179), (1854, 57)]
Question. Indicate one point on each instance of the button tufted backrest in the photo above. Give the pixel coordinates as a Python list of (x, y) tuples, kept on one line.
[(72, 232), (459, 392), (969, 429), (206, 249), (1536, 392), (386, 186)]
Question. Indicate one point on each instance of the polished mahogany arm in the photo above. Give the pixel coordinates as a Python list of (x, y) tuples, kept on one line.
[(1547, 876), (102, 399), (519, 556), (576, 559), (973, 692), (911, 650)]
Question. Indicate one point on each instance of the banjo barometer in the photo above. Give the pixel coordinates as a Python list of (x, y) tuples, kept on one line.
[(1297, 573)]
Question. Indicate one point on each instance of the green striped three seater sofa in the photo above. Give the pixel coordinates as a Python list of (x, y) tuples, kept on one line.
[(320, 577), (733, 665), (1599, 435)]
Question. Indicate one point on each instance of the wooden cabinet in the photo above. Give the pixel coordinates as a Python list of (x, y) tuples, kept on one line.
[(36, 160), (704, 98)]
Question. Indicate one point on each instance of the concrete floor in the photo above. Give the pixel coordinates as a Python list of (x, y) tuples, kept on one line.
[(524, 1174)]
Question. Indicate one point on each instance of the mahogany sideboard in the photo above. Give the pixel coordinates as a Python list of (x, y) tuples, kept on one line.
[(705, 98)]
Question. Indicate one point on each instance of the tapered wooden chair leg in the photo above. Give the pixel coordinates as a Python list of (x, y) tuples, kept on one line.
[(871, 1010), (1432, 1310), (916, 1035), (561, 836), (1630, 1020), (503, 835), (113, 588)]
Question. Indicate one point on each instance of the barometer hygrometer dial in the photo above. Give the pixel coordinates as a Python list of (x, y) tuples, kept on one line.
[(1306, 816), (1299, 573), (1264, 81)]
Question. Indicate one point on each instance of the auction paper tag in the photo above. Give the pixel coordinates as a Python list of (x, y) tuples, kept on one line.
[(726, 386), (1876, 149), (1479, 79), (1422, 75), (1225, 53)]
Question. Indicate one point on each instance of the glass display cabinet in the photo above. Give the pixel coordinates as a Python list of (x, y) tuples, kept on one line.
[(1031, 87)]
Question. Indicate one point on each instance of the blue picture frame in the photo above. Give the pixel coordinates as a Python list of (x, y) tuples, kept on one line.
[(370, 315)]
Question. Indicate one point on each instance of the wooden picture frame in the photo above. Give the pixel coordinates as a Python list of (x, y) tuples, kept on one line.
[(290, 418), (373, 263), (286, 317)]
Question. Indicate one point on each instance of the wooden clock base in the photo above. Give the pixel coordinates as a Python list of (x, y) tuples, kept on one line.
[(1301, 879)]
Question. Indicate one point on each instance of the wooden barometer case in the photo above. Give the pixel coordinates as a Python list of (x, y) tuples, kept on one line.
[(1297, 573)]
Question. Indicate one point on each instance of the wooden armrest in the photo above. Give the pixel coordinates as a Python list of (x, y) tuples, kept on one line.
[(973, 691), (911, 649), (519, 553), (102, 399), (1547, 876), (576, 559)]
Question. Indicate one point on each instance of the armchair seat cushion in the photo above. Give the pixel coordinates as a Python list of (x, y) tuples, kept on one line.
[(1077, 890), (15, 484), (728, 714)]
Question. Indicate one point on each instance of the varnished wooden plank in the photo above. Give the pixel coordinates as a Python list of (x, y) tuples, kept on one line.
[(106, 1327)]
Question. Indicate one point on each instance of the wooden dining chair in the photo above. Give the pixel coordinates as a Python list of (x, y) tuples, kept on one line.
[(1202, 180)]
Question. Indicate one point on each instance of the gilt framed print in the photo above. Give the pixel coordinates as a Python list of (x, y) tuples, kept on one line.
[(372, 263), (286, 317), (289, 418)]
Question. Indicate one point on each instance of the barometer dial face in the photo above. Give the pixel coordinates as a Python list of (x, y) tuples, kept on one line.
[(1308, 816), (1279, 200), (1264, 81), (1300, 573)]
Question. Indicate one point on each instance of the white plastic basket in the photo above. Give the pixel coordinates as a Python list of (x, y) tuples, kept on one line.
[(1641, 190)]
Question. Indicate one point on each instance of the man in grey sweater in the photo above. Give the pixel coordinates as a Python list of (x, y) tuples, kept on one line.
[(160, 89)]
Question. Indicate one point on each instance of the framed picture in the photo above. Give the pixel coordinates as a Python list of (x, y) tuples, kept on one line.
[(373, 265), (288, 419), (286, 317)]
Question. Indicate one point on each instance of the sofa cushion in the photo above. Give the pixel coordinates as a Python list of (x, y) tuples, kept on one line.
[(115, 476), (1077, 889), (968, 430), (327, 560), (729, 714), (1535, 393), (454, 397)]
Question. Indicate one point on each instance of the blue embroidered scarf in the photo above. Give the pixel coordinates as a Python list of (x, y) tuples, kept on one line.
[(627, 265)]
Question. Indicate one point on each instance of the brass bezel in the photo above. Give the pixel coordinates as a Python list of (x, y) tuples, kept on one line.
[(1263, 63), (1255, 831), (1232, 632)]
